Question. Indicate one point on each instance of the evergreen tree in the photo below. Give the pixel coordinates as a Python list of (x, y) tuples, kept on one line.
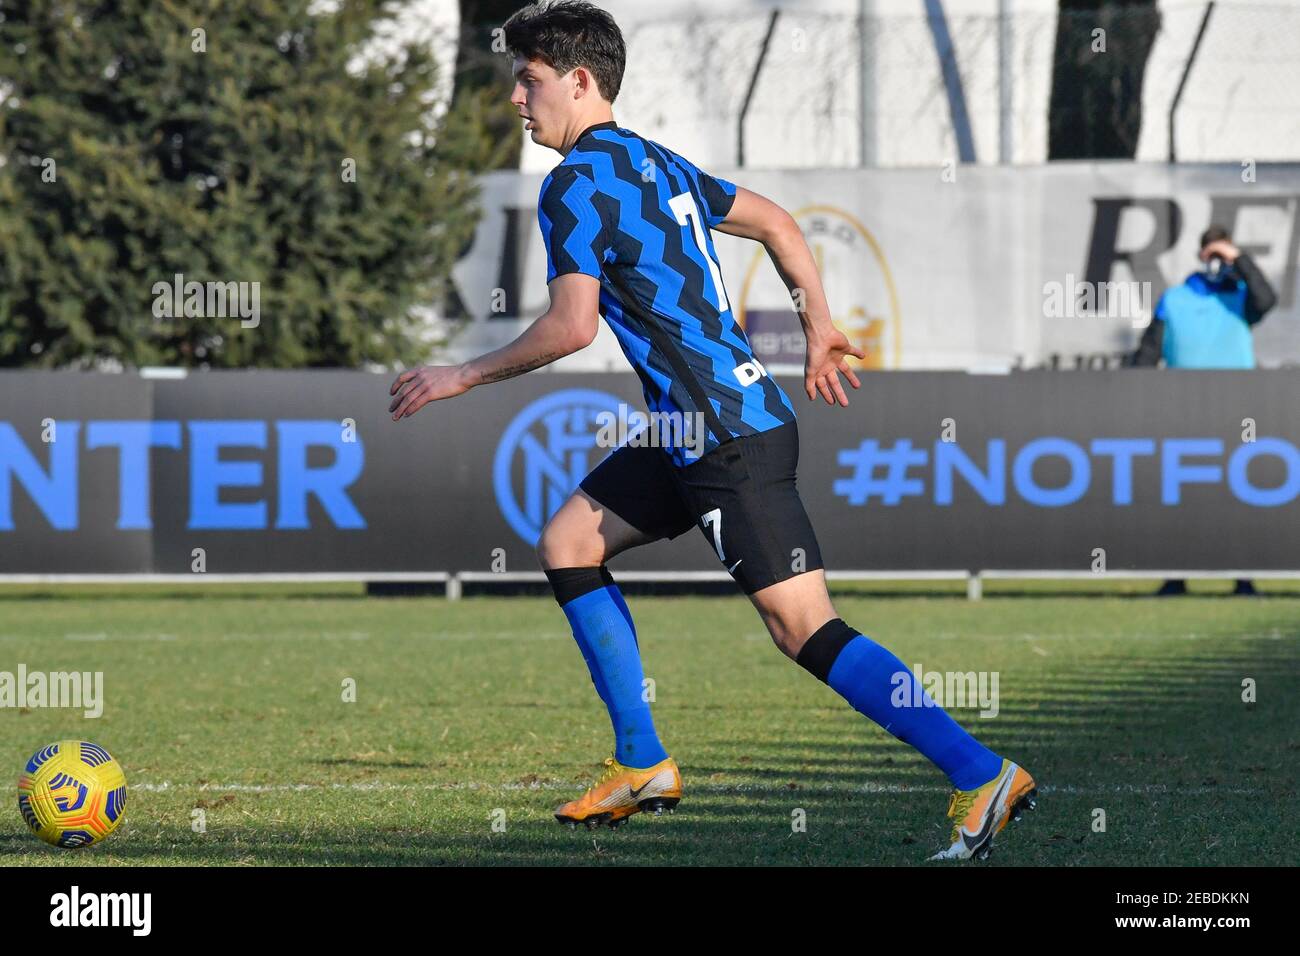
[(483, 79), (1100, 62), (227, 141)]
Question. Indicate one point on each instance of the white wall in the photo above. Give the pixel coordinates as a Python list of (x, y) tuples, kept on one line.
[(689, 65)]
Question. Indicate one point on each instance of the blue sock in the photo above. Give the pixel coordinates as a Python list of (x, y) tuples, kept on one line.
[(870, 678), (602, 626), (616, 596)]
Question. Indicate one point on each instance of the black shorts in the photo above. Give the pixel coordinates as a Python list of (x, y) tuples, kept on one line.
[(741, 495)]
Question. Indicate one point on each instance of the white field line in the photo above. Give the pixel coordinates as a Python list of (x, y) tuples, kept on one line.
[(1274, 634), (467, 635), (1148, 789)]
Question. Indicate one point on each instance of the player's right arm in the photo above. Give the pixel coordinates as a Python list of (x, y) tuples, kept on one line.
[(752, 216), (576, 241), (569, 325)]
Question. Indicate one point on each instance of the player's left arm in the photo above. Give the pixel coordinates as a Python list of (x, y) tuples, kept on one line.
[(752, 216), (568, 326)]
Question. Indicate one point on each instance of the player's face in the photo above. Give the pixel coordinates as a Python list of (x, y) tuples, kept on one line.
[(544, 99)]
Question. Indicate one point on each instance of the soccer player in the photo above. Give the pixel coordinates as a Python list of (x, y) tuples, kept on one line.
[(626, 224)]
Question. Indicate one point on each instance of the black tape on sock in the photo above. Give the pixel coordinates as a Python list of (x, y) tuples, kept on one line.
[(571, 583), (819, 653)]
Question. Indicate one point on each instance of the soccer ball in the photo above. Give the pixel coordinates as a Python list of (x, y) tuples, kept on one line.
[(72, 793)]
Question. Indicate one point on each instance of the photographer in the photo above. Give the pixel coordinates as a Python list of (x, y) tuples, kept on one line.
[(1206, 323)]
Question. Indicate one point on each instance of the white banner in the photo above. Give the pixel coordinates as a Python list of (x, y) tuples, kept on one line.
[(962, 267)]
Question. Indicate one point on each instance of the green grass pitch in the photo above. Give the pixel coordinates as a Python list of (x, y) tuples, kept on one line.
[(468, 714)]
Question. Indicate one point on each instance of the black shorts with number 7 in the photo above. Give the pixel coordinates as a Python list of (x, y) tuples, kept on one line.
[(741, 495)]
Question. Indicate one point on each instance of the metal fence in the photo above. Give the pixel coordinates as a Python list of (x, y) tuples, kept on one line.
[(788, 87)]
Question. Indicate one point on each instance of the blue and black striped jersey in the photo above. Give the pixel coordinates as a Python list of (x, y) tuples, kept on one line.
[(637, 216)]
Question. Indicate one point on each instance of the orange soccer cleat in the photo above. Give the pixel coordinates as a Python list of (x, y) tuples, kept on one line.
[(980, 814), (622, 791)]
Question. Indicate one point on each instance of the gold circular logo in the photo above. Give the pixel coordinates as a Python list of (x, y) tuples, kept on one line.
[(859, 289)]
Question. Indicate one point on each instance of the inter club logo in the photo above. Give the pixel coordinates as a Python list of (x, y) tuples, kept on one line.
[(545, 451)]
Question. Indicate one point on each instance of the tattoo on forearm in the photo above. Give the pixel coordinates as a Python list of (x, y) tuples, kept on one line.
[(510, 371)]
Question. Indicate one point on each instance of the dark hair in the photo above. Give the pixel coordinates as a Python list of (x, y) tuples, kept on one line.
[(565, 34), (1214, 234)]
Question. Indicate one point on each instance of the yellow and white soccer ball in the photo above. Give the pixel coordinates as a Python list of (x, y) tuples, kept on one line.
[(72, 793)]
